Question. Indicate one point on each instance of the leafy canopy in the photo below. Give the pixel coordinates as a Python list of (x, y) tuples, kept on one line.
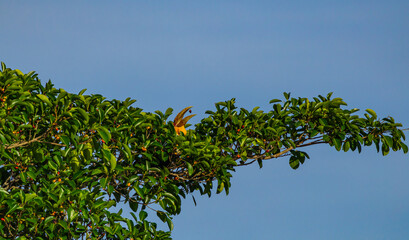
[(65, 158)]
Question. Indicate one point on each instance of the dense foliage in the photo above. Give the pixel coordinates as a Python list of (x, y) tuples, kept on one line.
[(66, 158)]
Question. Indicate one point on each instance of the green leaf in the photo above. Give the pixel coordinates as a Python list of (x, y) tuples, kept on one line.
[(71, 214), (23, 177), (260, 163), (110, 189), (323, 121), (385, 149), (84, 114), (48, 219), (404, 147), (103, 182), (110, 157), (162, 216), (389, 140), (61, 95), (275, 100), (65, 140), (87, 151), (190, 168), (372, 112), (3, 191), (14, 207), (44, 98), (142, 215), (63, 224), (133, 204), (346, 146), (220, 187), (170, 224), (18, 72), (3, 139), (82, 91), (104, 133), (139, 192), (337, 143), (52, 165), (29, 196), (294, 162), (168, 112)]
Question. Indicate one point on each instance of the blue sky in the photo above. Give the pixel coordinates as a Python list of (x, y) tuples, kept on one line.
[(181, 53)]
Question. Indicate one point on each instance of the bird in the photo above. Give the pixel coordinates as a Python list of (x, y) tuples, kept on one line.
[(180, 122)]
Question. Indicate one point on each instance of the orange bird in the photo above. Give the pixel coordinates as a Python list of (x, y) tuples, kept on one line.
[(180, 122)]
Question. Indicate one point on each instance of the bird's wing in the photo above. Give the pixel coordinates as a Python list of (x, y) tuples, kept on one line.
[(180, 115)]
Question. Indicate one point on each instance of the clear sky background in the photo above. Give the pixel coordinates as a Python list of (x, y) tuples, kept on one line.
[(181, 53)]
